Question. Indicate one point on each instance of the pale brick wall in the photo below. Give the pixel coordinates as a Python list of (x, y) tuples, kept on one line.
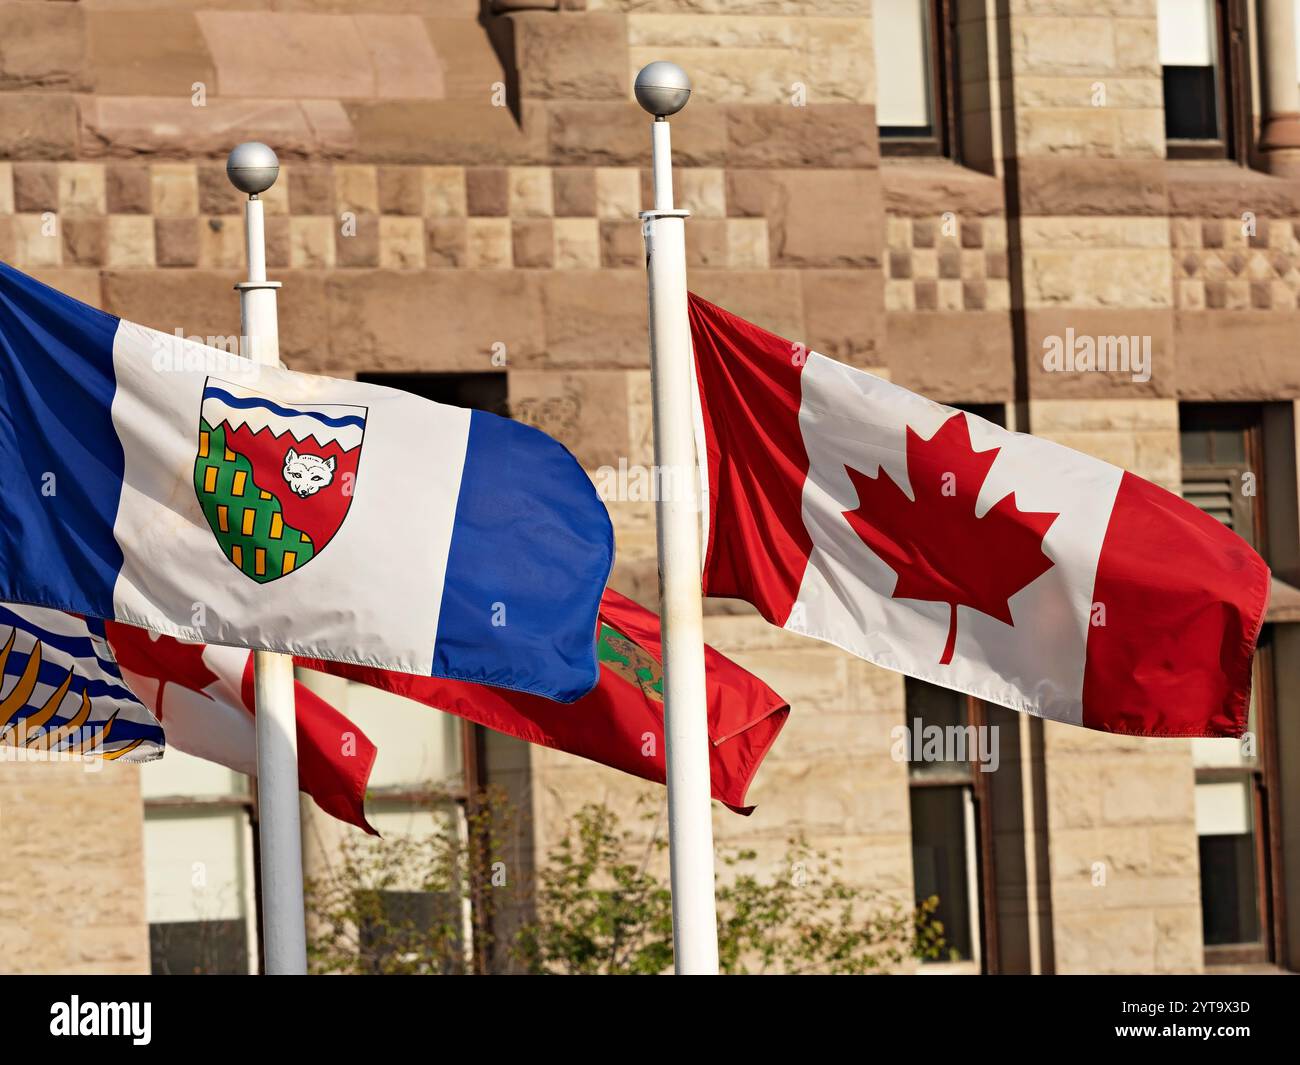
[(71, 870)]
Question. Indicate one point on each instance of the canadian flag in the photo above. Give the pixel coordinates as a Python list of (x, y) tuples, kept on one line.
[(929, 541)]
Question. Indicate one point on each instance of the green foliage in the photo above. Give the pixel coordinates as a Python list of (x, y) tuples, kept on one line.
[(599, 904), (398, 905), (599, 910)]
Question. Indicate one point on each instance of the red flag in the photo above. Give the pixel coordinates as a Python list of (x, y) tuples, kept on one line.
[(935, 543), (203, 695), (620, 723)]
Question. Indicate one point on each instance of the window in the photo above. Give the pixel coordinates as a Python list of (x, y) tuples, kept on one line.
[(418, 793), (410, 910), (1203, 62), (1221, 450), (915, 76), (201, 882), (952, 852), (1236, 823), (1237, 793)]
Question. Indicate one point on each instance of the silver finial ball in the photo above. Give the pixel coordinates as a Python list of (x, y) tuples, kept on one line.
[(252, 167), (662, 88)]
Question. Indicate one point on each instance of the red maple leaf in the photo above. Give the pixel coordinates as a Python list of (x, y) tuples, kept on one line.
[(942, 552), (164, 658)]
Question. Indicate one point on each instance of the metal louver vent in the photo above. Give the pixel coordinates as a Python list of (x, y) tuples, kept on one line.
[(1214, 491)]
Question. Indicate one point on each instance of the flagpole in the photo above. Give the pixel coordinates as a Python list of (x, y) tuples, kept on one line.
[(662, 89), (253, 168)]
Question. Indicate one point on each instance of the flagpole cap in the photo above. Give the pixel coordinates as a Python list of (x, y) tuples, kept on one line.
[(662, 88), (252, 167)]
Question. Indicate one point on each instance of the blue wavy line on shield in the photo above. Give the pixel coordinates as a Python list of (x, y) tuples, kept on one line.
[(241, 403)]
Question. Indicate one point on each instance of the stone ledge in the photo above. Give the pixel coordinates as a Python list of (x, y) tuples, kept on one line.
[(921, 189), (1222, 189)]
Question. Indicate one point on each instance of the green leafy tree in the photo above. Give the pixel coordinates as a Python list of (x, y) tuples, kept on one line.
[(599, 904), (398, 905), (600, 910)]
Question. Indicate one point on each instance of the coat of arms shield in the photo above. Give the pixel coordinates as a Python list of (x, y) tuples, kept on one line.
[(274, 480)]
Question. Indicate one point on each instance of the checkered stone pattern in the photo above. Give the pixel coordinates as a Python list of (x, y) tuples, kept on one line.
[(946, 264), (147, 215), (1236, 264)]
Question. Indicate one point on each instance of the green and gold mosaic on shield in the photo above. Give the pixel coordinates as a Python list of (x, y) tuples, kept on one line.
[(246, 519), (275, 481)]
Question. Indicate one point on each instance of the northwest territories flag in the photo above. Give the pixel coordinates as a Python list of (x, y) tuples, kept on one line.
[(176, 487), (932, 542)]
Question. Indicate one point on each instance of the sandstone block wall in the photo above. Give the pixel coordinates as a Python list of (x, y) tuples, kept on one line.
[(72, 891)]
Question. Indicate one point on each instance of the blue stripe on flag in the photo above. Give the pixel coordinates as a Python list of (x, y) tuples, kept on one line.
[(245, 402), (125, 729), (530, 553), (61, 463), (52, 673), (76, 646)]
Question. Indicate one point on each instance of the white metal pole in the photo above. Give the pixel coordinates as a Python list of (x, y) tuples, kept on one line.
[(662, 89), (253, 168)]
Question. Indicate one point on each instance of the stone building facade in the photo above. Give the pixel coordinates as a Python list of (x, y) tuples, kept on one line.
[(459, 195)]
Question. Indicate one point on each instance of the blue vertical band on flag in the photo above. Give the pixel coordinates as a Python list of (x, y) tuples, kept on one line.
[(61, 483), (530, 556)]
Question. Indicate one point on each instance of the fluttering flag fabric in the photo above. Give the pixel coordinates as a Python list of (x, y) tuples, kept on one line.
[(80, 687), (204, 697), (621, 723), (932, 542), (62, 693), (163, 483)]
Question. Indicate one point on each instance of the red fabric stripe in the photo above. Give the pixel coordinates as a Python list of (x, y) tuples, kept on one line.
[(610, 725), (1184, 600), (749, 390), (332, 769)]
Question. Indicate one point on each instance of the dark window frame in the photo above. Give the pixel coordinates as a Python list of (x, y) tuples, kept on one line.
[(981, 786), (1264, 777), (1248, 419), (1265, 794), (943, 140), (467, 795), (1233, 90)]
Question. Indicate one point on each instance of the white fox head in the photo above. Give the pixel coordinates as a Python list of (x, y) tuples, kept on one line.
[(307, 474)]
